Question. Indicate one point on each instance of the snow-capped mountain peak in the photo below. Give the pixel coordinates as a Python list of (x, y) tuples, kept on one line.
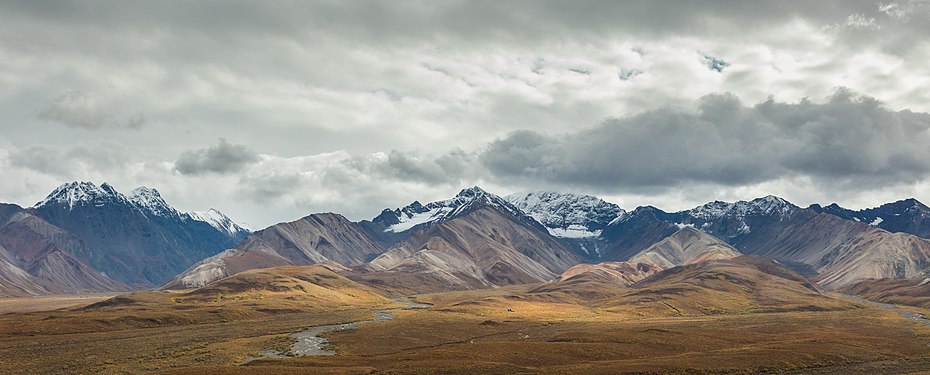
[(145, 200), (766, 206), (567, 215), (151, 202), (80, 193), (217, 220), (417, 214)]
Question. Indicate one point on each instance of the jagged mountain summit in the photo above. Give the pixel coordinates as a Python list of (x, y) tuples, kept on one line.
[(728, 220), (417, 215), (766, 206), (151, 203), (80, 193), (138, 239), (578, 220), (567, 215), (908, 216)]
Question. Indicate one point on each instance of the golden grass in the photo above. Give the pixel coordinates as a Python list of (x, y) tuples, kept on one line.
[(441, 341), (47, 303), (712, 325)]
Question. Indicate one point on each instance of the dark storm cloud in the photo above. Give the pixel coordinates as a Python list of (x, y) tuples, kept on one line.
[(222, 158), (846, 138)]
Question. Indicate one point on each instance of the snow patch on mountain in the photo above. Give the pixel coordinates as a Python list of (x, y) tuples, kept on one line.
[(878, 220), (411, 220), (217, 220), (573, 231)]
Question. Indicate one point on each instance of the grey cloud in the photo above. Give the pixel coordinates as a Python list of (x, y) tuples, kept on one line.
[(85, 110), (70, 163), (355, 185), (847, 139), (449, 168), (268, 187), (222, 158)]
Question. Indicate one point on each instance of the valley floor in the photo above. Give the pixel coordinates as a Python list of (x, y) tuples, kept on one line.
[(46, 303), (467, 332)]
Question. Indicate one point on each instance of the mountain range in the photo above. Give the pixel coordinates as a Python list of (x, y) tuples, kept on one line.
[(88, 238), (473, 240)]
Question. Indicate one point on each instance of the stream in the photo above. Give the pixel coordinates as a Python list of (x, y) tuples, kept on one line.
[(308, 341), (910, 315)]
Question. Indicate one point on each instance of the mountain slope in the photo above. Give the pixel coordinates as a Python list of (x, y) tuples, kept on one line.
[(684, 247), (319, 282), (744, 284), (840, 252), (736, 223), (629, 234), (36, 258), (317, 238), (138, 239), (488, 245), (259, 293), (914, 292), (829, 249), (738, 285)]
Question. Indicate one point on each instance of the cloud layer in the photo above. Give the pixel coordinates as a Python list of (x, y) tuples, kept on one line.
[(353, 106), (84, 110)]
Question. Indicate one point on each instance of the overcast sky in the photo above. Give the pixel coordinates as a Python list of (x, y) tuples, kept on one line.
[(272, 110)]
